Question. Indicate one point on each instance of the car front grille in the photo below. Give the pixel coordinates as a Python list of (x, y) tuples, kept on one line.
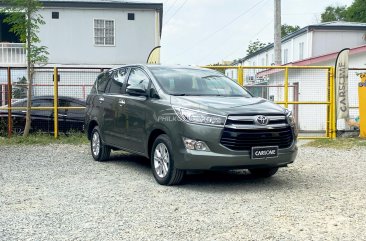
[(241, 133)]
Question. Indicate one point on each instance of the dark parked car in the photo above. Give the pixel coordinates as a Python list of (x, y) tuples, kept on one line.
[(42, 120), (186, 118)]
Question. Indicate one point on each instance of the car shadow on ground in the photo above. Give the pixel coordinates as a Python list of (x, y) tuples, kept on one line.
[(200, 180)]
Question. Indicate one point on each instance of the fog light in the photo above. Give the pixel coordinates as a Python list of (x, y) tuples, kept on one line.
[(195, 145)]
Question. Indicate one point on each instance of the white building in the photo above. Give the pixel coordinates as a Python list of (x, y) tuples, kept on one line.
[(80, 35), (315, 45), (311, 41), (98, 32)]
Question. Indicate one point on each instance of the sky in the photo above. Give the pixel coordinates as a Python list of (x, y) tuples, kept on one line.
[(199, 32)]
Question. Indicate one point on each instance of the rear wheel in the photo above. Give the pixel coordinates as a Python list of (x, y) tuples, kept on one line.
[(162, 162), (99, 150), (264, 172)]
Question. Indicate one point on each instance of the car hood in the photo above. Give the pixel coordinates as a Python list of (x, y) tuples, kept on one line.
[(228, 105)]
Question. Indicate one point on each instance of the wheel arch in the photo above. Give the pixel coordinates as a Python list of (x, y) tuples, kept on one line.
[(152, 137), (92, 124)]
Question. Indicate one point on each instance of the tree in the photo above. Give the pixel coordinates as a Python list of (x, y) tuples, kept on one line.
[(357, 11), (332, 13), (255, 46), (288, 29), (25, 20), (354, 13)]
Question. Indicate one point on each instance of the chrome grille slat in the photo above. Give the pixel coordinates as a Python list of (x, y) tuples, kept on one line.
[(256, 127), (241, 132)]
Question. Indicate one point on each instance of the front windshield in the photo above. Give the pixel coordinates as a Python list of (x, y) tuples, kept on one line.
[(196, 82)]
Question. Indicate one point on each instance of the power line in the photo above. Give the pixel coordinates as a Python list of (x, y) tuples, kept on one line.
[(171, 17), (170, 7), (222, 43), (222, 28), (253, 37)]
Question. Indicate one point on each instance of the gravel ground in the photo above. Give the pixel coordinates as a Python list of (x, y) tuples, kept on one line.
[(59, 193)]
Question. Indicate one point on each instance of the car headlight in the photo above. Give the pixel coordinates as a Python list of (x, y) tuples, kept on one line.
[(199, 117), (191, 144), (290, 117)]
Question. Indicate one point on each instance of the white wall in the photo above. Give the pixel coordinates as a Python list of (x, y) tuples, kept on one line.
[(70, 39), (312, 87), (292, 46), (329, 41)]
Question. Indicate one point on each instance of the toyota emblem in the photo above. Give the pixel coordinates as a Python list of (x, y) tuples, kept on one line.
[(262, 120)]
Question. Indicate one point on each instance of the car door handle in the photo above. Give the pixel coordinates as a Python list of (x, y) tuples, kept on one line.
[(62, 115), (101, 99), (121, 102)]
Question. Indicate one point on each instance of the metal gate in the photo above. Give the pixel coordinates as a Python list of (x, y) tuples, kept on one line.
[(308, 91)]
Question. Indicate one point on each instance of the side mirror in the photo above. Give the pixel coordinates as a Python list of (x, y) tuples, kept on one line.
[(136, 91), (154, 94)]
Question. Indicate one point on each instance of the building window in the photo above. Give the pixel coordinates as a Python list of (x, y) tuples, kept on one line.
[(285, 56), (301, 50), (104, 32), (131, 16), (55, 15)]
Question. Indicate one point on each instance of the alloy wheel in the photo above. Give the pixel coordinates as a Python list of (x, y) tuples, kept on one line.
[(96, 144), (161, 160)]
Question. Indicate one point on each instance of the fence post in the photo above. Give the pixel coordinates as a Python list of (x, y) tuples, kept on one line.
[(362, 106), (83, 89), (240, 76), (10, 91), (55, 102), (328, 131), (333, 120), (286, 87)]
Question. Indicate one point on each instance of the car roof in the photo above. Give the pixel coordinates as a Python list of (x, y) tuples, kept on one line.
[(152, 66), (43, 97)]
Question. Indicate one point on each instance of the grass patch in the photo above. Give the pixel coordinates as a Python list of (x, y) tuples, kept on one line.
[(45, 139), (339, 143)]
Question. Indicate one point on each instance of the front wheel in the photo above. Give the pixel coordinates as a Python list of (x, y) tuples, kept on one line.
[(99, 150), (264, 172), (162, 162)]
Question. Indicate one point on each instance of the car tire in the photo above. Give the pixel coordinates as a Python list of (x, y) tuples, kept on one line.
[(263, 172), (99, 150), (162, 162), (18, 130)]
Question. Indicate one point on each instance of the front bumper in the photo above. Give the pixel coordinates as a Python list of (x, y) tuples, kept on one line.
[(199, 160), (220, 157)]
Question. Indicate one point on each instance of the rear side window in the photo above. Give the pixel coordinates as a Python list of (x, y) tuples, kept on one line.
[(69, 103), (21, 103), (42, 103), (93, 90), (117, 79), (102, 82)]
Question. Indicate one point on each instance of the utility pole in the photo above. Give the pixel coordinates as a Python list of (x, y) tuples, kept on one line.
[(277, 32)]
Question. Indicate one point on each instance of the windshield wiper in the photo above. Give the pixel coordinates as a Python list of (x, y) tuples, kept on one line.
[(179, 94)]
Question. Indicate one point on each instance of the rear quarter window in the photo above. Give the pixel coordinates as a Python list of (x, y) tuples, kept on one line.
[(102, 83)]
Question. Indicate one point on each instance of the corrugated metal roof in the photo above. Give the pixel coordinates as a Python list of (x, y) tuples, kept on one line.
[(102, 3), (341, 23)]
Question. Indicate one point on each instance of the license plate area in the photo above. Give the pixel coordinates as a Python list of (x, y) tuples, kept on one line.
[(262, 152)]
